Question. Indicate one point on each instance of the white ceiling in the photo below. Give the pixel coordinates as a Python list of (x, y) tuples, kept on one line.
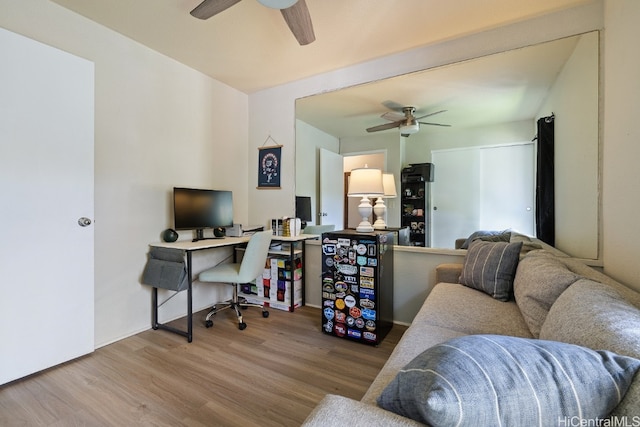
[(249, 46)]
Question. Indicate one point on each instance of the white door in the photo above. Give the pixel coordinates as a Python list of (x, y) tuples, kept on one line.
[(455, 197), (482, 188), (331, 189), (507, 188), (46, 185)]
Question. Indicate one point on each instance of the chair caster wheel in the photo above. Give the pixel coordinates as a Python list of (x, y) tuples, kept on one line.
[(265, 314), (242, 326), (208, 323)]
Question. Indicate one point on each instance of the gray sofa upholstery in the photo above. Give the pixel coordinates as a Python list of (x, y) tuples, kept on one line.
[(556, 298)]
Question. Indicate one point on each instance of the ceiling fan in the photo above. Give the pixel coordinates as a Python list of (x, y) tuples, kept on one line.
[(407, 122), (295, 13)]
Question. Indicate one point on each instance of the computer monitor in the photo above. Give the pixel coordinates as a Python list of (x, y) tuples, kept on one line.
[(195, 209), (303, 209)]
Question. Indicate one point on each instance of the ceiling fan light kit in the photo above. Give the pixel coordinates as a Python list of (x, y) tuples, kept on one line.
[(410, 128), (408, 124), (278, 4), (295, 14)]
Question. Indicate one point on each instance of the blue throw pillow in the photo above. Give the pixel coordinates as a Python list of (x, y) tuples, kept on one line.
[(490, 267), (493, 380)]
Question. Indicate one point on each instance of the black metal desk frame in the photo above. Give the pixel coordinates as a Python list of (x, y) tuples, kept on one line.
[(229, 241)]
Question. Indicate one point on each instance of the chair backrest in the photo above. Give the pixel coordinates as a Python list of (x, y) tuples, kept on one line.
[(255, 256)]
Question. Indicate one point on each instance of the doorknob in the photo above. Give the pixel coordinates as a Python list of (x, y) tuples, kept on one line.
[(84, 222)]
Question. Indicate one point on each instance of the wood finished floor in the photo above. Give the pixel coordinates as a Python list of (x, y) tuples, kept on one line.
[(271, 374)]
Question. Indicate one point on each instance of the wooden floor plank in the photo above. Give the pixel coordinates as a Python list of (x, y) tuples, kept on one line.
[(271, 374)]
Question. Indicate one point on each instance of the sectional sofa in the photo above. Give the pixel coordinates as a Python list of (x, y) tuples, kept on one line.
[(520, 334)]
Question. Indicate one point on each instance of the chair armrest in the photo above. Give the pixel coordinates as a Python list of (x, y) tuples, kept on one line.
[(448, 273)]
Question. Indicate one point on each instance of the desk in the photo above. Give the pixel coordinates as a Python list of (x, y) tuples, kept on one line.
[(187, 247)]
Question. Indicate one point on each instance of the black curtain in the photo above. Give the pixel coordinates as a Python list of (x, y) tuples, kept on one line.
[(545, 207)]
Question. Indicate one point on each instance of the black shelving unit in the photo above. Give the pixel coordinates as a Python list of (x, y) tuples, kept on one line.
[(416, 207)]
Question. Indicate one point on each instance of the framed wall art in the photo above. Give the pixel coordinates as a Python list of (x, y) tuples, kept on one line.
[(269, 167)]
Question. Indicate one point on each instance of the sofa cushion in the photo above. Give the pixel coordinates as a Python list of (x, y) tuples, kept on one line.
[(538, 283), (469, 311), (581, 269), (490, 267), (450, 311), (499, 380), (532, 244), (336, 410), (595, 315)]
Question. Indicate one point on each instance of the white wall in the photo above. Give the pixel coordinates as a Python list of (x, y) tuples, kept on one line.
[(574, 101), (419, 149), (621, 147), (157, 124)]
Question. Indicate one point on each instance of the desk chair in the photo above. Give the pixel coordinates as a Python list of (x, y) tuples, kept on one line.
[(252, 266)]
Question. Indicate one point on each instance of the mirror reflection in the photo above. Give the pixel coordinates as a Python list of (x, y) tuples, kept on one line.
[(485, 157)]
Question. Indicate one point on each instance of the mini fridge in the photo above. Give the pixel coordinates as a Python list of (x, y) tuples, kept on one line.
[(357, 284)]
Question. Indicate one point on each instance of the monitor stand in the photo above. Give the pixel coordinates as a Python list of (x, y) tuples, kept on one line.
[(200, 236)]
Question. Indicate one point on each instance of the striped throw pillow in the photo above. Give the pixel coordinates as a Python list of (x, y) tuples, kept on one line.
[(495, 380), (490, 267)]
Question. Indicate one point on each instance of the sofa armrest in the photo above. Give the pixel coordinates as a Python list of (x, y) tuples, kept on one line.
[(341, 411), (448, 273), (459, 243)]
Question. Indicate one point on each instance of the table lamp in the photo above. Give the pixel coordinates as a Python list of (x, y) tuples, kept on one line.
[(380, 209), (365, 182)]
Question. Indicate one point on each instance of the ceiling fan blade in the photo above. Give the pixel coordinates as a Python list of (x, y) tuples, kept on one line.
[(299, 21), (394, 106), (392, 116), (434, 124), (430, 114), (208, 8), (385, 126)]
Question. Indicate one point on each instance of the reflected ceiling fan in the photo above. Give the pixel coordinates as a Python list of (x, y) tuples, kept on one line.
[(407, 122), (295, 13)]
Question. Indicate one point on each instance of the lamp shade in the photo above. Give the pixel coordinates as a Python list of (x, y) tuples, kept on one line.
[(389, 185), (365, 182)]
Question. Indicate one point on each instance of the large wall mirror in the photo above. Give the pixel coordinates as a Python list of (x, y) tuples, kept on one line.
[(492, 101)]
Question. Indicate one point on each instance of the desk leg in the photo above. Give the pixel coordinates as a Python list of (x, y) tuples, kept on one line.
[(154, 300), (304, 269), (189, 298), (292, 263)]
